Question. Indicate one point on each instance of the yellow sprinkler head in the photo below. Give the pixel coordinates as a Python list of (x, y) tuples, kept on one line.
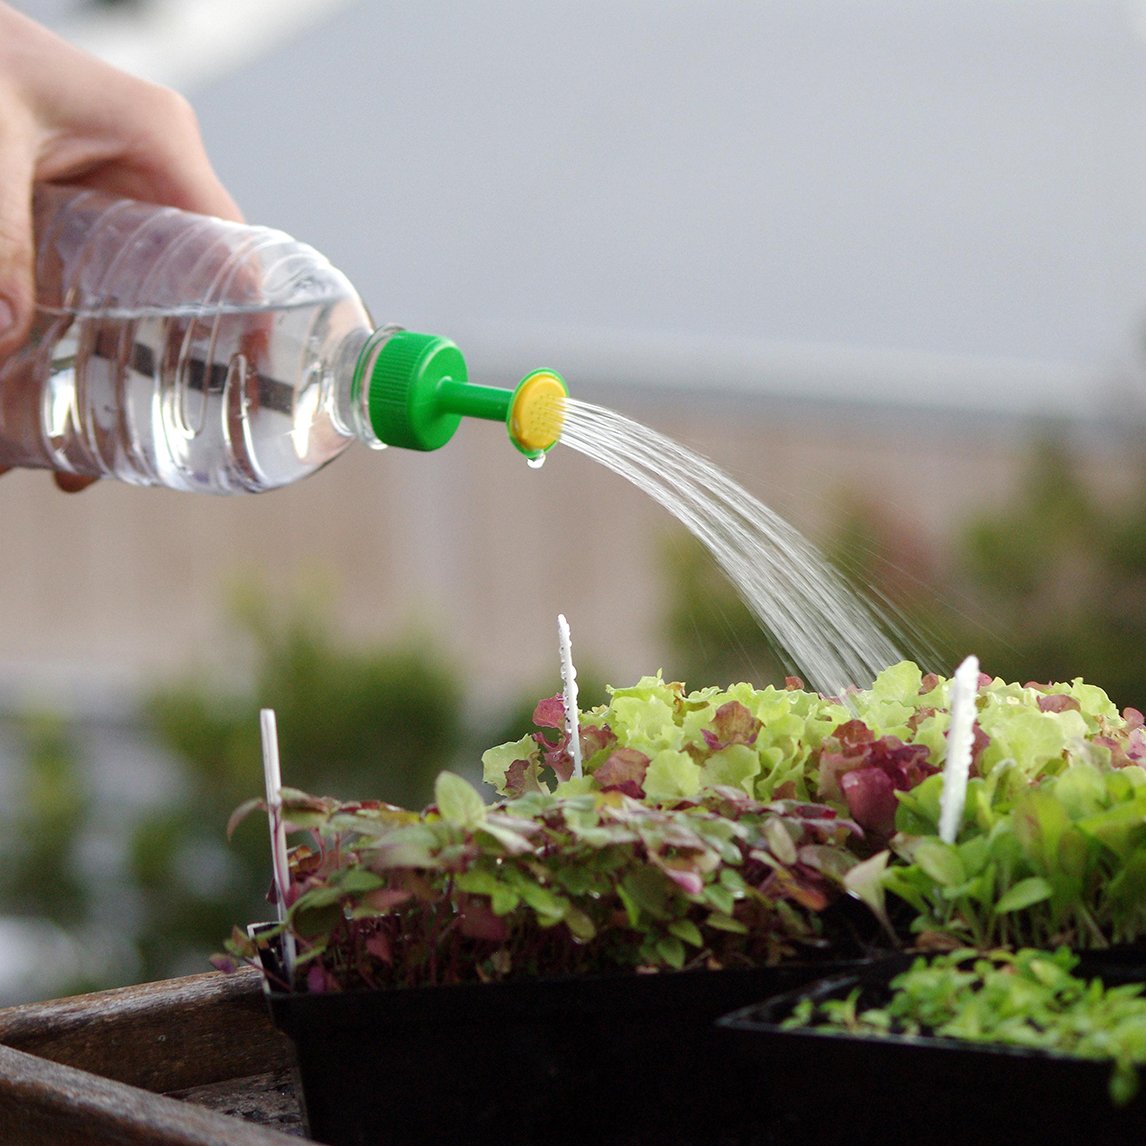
[(537, 412)]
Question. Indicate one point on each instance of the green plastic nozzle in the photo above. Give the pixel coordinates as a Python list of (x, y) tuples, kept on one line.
[(418, 392)]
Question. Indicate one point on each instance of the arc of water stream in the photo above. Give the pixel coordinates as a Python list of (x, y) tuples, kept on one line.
[(823, 629)]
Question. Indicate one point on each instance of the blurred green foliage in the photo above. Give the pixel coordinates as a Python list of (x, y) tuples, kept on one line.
[(44, 837), (42, 824), (351, 718), (1059, 575)]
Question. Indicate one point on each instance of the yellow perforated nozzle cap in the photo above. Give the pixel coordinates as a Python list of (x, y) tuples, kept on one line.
[(537, 412)]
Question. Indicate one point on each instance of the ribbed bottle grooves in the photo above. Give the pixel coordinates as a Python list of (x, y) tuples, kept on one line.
[(179, 350), (116, 285)]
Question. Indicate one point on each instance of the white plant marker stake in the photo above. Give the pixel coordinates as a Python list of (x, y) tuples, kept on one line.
[(281, 866), (569, 682), (960, 740)]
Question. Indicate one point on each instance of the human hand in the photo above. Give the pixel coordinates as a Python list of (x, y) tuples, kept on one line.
[(67, 117)]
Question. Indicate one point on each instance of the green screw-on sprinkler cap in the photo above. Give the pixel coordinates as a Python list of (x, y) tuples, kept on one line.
[(403, 399), (418, 393)]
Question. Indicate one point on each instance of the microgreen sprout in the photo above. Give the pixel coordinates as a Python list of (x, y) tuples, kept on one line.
[(547, 885), (1028, 998)]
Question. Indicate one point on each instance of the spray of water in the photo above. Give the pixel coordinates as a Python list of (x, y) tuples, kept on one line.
[(824, 631)]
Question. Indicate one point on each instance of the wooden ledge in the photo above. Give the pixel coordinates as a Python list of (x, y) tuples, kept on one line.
[(171, 1035), (45, 1104)]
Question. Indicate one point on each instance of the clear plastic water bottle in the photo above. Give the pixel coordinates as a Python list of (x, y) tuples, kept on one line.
[(184, 351)]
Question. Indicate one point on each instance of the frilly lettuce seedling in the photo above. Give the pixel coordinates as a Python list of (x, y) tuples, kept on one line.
[(1053, 841), (863, 753)]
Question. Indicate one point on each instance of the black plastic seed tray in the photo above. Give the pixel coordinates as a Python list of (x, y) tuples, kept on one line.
[(827, 1087)]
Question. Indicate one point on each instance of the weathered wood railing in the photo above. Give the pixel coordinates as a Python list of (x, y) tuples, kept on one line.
[(100, 1068)]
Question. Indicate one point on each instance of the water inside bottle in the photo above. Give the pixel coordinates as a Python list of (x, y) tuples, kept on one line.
[(217, 401), (176, 349)]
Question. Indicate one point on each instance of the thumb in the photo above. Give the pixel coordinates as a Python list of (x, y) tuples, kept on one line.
[(17, 289)]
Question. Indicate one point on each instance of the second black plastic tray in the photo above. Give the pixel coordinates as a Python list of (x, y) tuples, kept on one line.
[(855, 1090)]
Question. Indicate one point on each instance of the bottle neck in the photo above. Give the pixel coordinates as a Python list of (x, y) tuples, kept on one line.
[(353, 363)]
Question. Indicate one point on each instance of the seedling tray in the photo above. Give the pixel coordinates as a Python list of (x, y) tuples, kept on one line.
[(829, 1087), (617, 1059)]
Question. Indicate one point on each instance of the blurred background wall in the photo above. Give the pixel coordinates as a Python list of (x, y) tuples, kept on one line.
[(832, 245), (863, 254)]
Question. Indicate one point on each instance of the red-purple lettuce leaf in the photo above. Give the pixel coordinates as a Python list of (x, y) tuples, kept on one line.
[(1058, 702), (865, 772), (550, 712), (870, 796), (523, 776), (623, 771), (732, 723)]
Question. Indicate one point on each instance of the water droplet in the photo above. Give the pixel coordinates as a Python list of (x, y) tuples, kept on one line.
[(537, 462)]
